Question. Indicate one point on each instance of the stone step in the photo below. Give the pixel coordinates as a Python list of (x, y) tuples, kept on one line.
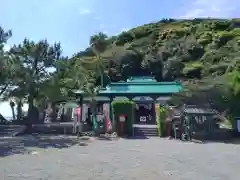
[(8, 130), (145, 131), (52, 130)]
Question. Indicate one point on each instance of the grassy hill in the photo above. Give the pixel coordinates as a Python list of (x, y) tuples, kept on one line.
[(172, 49), (196, 52)]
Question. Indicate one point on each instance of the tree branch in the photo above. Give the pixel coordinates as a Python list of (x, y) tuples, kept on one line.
[(4, 89)]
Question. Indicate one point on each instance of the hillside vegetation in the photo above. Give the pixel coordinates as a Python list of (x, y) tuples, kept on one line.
[(173, 49), (204, 54)]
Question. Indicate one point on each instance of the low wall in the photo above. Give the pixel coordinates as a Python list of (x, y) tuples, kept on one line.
[(217, 135)]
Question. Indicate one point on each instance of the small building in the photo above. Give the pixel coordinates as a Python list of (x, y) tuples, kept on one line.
[(198, 122)]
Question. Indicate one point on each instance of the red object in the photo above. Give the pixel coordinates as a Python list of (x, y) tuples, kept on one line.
[(122, 116), (122, 123), (107, 119), (78, 113)]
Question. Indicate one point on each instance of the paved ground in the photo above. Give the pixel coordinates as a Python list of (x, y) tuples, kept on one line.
[(62, 158)]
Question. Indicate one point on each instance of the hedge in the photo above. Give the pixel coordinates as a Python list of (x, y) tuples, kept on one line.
[(125, 107), (161, 113)]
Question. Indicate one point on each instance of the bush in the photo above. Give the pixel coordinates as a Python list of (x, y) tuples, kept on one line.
[(127, 108), (205, 38), (220, 25), (160, 120), (222, 37), (123, 38), (192, 70), (140, 32)]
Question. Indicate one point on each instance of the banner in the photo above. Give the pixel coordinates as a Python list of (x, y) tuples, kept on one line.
[(106, 111), (77, 114)]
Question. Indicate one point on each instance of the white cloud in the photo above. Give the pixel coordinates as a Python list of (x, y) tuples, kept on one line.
[(105, 32), (6, 47), (85, 11), (210, 8), (122, 30)]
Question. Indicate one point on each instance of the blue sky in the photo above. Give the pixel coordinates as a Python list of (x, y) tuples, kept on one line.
[(72, 22)]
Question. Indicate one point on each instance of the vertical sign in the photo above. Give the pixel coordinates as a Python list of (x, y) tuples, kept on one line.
[(106, 109), (77, 115)]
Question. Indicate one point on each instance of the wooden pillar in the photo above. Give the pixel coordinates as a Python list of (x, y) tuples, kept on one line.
[(111, 114), (80, 125), (154, 108), (110, 109), (130, 97)]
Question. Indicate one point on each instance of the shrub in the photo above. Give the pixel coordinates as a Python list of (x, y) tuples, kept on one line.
[(140, 32), (127, 108), (123, 38), (220, 25), (205, 38), (222, 37), (160, 120), (192, 70)]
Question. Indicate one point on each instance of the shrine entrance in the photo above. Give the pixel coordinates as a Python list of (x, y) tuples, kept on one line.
[(145, 91), (145, 113)]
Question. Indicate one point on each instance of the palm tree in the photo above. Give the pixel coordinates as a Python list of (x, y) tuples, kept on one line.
[(98, 43), (91, 92), (12, 105)]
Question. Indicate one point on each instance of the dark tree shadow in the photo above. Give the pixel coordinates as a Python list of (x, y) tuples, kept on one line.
[(235, 141), (21, 144), (136, 137)]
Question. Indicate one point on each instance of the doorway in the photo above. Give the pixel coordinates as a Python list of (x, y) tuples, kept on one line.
[(144, 113)]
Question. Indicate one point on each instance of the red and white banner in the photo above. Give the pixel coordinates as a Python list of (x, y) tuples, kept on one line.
[(77, 113), (107, 117)]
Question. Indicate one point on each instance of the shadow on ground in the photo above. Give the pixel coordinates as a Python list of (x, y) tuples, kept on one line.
[(137, 137), (23, 144), (235, 141)]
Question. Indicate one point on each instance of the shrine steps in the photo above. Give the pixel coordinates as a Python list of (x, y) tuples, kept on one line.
[(145, 130)]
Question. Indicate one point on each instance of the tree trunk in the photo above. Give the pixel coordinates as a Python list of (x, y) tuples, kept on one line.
[(54, 114), (30, 114), (101, 80), (19, 110), (3, 89), (13, 113), (2, 118)]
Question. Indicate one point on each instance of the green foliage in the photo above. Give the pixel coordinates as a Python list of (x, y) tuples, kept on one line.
[(124, 108), (161, 120), (6, 64), (123, 38), (163, 115), (220, 25), (193, 70), (235, 81), (169, 49), (186, 50)]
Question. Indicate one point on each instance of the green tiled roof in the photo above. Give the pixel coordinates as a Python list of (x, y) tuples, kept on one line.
[(141, 85)]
